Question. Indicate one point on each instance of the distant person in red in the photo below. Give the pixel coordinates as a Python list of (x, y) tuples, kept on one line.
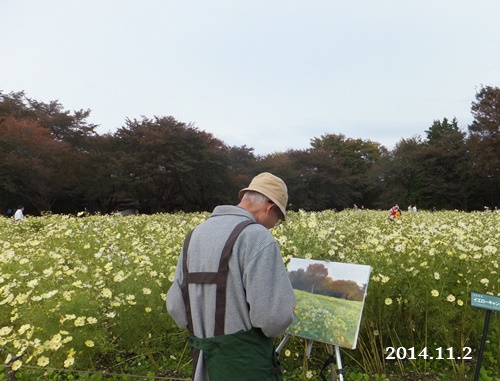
[(394, 212)]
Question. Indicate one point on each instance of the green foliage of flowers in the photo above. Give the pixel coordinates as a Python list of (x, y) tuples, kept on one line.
[(424, 267), (88, 292), (316, 320)]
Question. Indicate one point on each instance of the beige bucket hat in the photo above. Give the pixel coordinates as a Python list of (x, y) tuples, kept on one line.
[(270, 186)]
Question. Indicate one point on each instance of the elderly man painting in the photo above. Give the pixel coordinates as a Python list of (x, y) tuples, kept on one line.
[(231, 289)]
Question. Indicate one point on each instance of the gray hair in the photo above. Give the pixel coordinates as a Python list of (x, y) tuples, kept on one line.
[(255, 197)]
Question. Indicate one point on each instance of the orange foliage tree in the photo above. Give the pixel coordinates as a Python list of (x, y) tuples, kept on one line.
[(35, 166)]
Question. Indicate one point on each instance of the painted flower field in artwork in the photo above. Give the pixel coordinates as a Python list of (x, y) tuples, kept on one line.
[(88, 292)]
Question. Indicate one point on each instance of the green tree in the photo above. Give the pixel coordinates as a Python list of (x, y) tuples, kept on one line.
[(401, 173), (440, 129), (98, 186), (357, 158), (315, 181), (242, 167), (446, 182), (169, 164), (355, 155)]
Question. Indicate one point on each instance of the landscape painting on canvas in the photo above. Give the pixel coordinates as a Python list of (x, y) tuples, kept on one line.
[(329, 300)]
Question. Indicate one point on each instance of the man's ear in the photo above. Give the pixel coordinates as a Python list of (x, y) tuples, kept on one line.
[(269, 206)]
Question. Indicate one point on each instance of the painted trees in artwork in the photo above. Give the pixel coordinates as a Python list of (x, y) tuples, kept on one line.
[(315, 279)]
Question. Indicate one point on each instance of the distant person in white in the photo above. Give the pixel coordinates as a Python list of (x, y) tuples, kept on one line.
[(414, 208), (19, 214)]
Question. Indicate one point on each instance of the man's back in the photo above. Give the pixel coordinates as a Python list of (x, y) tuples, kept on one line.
[(259, 293)]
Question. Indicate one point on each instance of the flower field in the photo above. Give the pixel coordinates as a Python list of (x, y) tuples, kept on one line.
[(88, 293)]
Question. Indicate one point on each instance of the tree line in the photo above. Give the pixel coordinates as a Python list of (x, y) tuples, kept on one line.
[(52, 159), (315, 280)]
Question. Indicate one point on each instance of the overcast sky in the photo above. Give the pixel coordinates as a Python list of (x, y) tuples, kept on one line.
[(270, 75)]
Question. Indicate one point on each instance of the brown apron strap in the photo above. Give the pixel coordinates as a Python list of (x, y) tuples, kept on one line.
[(185, 284), (220, 301), (219, 278)]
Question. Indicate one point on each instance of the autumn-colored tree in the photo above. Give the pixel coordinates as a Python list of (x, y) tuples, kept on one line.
[(71, 127), (315, 280), (484, 145), (486, 112), (346, 289), (307, 280), (35, 168)]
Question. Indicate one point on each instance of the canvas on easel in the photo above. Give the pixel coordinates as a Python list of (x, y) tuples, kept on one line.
[(329, 300)]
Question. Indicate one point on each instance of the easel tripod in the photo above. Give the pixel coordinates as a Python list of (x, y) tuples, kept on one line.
[(331, 350)]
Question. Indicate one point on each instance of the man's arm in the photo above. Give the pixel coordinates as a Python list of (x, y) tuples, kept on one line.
[(269, 293), (175, 302)]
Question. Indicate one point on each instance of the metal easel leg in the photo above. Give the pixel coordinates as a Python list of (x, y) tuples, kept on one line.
[(282, 344), (339, 363), (309, 348), (340, 369)]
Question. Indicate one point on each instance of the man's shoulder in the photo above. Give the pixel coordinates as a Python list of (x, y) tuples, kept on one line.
[(257, 236), (223, 224)]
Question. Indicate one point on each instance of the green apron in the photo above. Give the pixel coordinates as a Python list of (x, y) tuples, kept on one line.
[(245, 356), (242, 356)]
